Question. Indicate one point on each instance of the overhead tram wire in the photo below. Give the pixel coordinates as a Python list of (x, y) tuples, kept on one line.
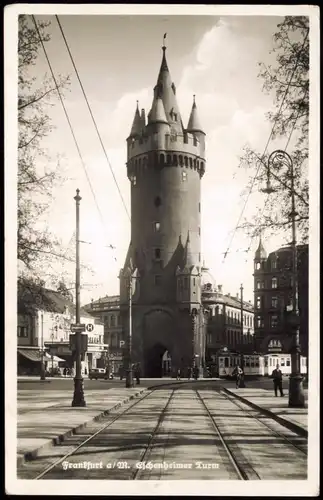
[(68, 120), (288, 141), (93, 119), (267, 144)]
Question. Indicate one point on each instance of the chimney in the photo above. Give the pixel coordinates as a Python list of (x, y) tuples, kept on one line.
[(237, 296), (220, 288), (228, 294)]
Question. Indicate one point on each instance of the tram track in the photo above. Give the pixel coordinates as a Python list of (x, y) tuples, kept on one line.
[(243, 472), (90, 438), (136, 473), (251, 412)]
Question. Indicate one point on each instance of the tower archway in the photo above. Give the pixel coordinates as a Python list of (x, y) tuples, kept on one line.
[(158, 335)]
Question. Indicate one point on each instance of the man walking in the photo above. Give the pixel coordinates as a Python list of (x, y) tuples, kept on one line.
[(278, 380), (237, 373)]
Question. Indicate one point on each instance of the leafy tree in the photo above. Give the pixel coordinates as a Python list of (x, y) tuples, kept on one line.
[(288, 80), (36, 178)]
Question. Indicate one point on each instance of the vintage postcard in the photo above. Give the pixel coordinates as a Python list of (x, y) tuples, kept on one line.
[(162, 243)]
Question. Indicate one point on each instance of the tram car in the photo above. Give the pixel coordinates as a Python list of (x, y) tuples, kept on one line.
[(256, 364), (285, 363)]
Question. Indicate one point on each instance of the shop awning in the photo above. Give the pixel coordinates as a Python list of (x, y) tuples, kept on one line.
[(31, 354), (55, 358)]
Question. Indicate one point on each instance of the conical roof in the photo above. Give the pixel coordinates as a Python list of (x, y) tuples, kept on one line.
[(137, 124), (165, 89), (157, 113), (188, 256), (260, 252), (194, 122)]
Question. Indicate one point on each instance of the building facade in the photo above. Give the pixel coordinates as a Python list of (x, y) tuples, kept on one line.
[(273, 293), (107, 310), (165, 165), (224, 326), (44, 325)]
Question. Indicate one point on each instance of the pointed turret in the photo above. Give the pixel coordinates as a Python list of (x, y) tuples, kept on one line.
[(137, 124), (188, 256), (157, 113), (194, 122), (165, 89), (260, 252)]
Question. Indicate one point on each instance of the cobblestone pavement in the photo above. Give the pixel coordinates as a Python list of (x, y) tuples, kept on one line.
[(176, 433)]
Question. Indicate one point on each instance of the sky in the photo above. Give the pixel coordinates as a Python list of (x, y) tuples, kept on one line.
[(118, 59)]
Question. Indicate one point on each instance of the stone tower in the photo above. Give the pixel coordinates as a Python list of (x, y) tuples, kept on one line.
[(165, 165)]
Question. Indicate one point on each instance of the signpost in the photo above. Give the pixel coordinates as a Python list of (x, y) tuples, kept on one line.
[(78, 328)]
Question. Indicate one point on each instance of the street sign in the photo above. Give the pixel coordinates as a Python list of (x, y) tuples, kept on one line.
[(122, 343), (78, 328), (90, 327)]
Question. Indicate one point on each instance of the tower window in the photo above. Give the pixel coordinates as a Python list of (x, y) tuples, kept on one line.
[(133, 180), (158, 279), (184, 176), (157, 201), (157, 253), (156, 227), (186, 283), (257, 265)]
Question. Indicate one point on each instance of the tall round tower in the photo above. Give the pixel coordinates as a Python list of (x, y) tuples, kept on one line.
[(165, 165)]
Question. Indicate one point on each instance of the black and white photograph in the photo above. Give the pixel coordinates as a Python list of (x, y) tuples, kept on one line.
[(162, 249)]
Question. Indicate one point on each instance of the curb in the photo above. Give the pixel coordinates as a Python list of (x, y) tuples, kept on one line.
[(286, 423), (31, 455)]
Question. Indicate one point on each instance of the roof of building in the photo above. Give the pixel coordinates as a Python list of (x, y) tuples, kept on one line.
[(157, 113), (136, 124), (194, 122), (260, 252)]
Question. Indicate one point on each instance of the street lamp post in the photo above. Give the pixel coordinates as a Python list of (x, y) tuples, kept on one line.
[(242, 383), (129, 374), (78, 398), (296, 392), (52, 336), (42, 368)]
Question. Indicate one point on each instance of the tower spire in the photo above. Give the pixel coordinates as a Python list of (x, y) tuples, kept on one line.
[(137, 123), (260, 252), (194, 122)]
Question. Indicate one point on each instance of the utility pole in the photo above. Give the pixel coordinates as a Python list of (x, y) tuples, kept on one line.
[(129, 375), (42, 368), (78, 399), (242, 384), (278, 159)]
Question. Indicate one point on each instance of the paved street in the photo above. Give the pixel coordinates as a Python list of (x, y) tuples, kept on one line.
[(180, 431)]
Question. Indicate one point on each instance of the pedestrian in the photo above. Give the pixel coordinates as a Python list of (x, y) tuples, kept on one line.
[(196, 372), (277, 377), (178, 374), (65, 371), (189, 373), (137, 373), (237, 373)]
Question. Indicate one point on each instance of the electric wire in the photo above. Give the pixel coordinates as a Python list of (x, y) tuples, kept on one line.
[(267, 144), (71, 129), (92, 116)]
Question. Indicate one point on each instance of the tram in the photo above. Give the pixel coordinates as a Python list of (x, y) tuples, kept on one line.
[(255, 364)]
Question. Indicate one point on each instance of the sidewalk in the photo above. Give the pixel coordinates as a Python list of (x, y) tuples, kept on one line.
[(296, 419), (38, 429)]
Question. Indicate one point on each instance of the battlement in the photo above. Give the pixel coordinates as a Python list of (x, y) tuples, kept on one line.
[(186, 143), (153, 159)]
